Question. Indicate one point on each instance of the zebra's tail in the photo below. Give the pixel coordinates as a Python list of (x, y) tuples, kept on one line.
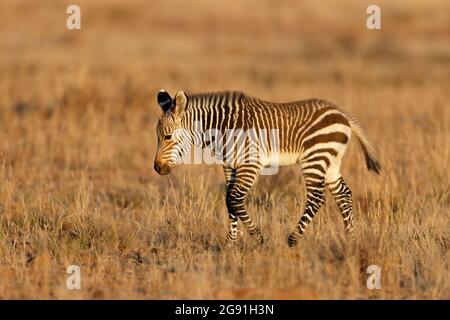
[(368, 149)]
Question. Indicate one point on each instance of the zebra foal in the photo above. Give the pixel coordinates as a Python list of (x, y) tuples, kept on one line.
[(313, 133)]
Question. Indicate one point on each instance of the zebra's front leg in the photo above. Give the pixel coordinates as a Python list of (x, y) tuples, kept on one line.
[(243, 179), (233, 230)]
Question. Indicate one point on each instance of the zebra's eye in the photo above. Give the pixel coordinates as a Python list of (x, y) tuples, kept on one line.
[(168, 137)]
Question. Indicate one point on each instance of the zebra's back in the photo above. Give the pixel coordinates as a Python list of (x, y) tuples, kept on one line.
[(303, 127)]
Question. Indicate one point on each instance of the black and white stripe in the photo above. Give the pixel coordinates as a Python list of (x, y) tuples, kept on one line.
[(313, 133)]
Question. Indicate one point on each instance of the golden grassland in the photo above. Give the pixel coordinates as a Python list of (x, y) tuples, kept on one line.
[(77, 143)]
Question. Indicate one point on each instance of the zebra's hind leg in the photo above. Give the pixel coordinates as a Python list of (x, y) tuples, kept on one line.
[(230, 176), (315, 197), (343, 197), (244, 178)]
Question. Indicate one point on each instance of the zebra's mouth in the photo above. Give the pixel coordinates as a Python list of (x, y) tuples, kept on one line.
[(162, 169)]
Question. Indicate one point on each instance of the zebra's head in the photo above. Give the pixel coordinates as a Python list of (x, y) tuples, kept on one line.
[(173, 139)]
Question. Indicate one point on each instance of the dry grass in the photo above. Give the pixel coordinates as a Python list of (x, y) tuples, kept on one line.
[(77, 142)]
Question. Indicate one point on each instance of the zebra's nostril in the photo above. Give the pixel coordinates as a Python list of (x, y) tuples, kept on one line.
[(162, 169)]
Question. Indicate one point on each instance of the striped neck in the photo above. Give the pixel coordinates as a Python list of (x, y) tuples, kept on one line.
[(211, 110)]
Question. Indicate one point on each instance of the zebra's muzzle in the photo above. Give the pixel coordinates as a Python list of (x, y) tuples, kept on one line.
[(162, 169)]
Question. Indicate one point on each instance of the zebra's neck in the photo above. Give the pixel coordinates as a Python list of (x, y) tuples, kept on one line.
[(212, 111)]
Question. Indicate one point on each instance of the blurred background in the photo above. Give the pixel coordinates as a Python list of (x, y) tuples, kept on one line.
[(77, 141), (276, 50), (267, 48)]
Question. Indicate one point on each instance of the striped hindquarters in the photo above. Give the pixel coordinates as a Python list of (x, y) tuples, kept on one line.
[(323, 140)]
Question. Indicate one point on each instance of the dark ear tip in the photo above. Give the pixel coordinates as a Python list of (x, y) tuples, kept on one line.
[(162, 95), (164, 100)]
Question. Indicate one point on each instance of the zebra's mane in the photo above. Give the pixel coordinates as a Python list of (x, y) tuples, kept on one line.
[(205, 98)]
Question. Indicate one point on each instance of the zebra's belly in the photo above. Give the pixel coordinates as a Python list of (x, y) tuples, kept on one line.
[(281, 159)]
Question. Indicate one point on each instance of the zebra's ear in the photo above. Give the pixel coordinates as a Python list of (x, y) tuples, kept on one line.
[(164, 100), (180, 102)]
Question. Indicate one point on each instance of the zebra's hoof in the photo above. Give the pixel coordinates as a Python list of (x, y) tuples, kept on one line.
[(260, 240), (292, 240), (230, 246), (230, 242), (351, 237)]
